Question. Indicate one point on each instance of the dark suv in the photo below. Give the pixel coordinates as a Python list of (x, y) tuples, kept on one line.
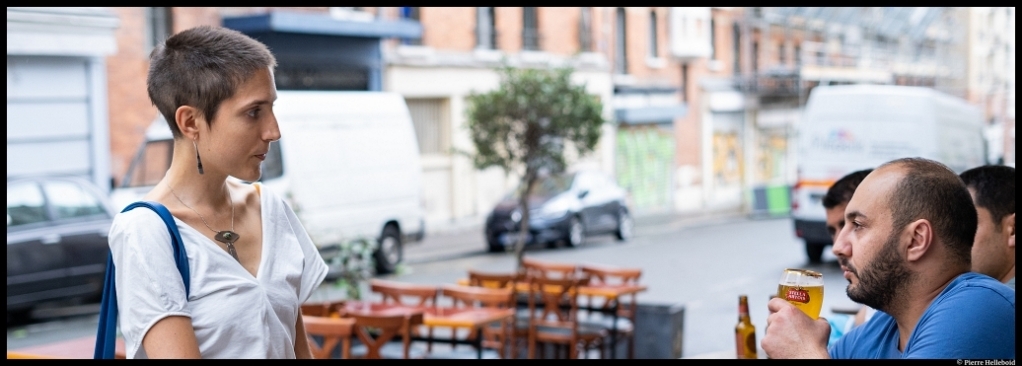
[(563, 208), (56, 241)]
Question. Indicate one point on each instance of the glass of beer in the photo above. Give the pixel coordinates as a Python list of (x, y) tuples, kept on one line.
[(802, 288)]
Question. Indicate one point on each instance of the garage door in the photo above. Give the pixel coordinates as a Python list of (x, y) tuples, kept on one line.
[(48, 117)]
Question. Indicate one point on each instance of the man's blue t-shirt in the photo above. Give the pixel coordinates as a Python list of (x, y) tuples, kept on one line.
[(973, 318)]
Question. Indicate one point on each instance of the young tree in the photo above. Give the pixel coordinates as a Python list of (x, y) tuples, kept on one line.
[(528, 123)]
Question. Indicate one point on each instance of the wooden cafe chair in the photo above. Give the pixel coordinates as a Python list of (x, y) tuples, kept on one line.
[(324, 308), (532, 267), (551, 322), (493, 280), (496, 336), (386, 327), (513, 281), (407, 294), (604, 275), (332, 331)]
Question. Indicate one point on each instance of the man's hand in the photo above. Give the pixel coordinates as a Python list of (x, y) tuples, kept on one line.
[(790, 333)]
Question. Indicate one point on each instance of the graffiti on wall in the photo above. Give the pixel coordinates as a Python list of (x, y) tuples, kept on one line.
[(727, 158), (645, 162), (771, 157)]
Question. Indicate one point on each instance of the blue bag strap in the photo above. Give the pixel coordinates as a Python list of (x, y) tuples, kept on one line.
[(106, 335)]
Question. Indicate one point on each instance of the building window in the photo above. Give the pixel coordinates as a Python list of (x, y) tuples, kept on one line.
[(304, 77), (411, 13), (585, 30), (737, 35), (755, 56), (782, 58), (430, 118), (486, 33), (159, 27), (653, 35), (530, 29), (684, 82), (713, 39), (620, 61), (798, 55)]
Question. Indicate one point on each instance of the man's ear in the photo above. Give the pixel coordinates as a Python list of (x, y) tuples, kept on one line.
[(920, 234), (1008, 227), (188, 120)]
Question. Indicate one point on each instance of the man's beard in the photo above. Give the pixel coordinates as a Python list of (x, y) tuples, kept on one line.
[(881, 280)]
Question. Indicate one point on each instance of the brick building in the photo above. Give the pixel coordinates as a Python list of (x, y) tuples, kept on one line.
[(645, 63)]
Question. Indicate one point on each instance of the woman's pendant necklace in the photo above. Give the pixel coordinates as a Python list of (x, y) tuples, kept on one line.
[(226, 236)]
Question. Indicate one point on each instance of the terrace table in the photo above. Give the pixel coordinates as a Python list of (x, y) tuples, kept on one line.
[(473, 319)]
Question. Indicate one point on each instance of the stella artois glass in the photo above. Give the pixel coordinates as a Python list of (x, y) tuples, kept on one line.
[(802, 288)]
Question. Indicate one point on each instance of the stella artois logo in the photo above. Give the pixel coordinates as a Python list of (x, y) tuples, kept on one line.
[(797, 294)]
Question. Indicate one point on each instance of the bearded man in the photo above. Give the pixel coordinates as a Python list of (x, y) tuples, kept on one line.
[(906, 251)]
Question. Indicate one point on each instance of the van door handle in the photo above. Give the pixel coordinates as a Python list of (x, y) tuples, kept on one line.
[(50, 239)]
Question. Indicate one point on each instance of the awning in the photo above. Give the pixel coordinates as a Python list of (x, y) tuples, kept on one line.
[(651, 114), (71, 31), (323, 24)]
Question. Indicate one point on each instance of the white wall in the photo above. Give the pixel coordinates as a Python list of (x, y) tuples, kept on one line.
[(473, 192)]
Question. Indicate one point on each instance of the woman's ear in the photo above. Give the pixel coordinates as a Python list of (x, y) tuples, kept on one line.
[(188, 120)]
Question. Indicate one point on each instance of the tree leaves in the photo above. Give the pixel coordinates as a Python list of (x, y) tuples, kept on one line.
[(527, 122)]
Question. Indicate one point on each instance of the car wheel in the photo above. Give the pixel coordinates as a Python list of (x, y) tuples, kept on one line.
[(576, 233), (390, 252), (492, 245), (625, 226), (814, 251)]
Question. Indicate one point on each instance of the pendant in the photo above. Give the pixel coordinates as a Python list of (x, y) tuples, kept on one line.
[(227, 237)]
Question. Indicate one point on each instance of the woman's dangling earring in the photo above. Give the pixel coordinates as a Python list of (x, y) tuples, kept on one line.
[(197, 156)]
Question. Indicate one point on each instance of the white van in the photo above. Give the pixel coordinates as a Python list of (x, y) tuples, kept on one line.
[(347, 162), (852, 127)]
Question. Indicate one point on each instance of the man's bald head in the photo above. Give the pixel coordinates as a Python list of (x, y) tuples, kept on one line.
[(930, 190)]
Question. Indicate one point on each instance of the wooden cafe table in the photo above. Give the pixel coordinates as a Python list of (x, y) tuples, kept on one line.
[(473, 319), (611, 293)]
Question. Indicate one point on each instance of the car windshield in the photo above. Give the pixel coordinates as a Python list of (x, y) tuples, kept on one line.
[(547, 186)]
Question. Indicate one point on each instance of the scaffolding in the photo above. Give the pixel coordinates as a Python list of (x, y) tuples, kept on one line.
[(922, 46)]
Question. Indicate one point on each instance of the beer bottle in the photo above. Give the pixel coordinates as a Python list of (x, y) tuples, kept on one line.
[(745, 332)]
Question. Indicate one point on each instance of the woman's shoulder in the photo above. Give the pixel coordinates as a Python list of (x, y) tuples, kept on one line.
[(257, 193), (138, 216), (140, 222)]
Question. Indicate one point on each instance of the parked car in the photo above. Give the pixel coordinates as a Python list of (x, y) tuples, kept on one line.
[(56, 241), (562, 208)]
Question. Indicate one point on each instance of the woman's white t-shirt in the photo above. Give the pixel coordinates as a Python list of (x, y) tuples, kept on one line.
[(234, 314)]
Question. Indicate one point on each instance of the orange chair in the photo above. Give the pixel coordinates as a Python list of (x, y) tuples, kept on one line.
[(493, 280), (495, 336), (532, 267), (388, 326), (333, 331), (554, 320), (408, 294), (326, 308), (511, 280), (604, 275)]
